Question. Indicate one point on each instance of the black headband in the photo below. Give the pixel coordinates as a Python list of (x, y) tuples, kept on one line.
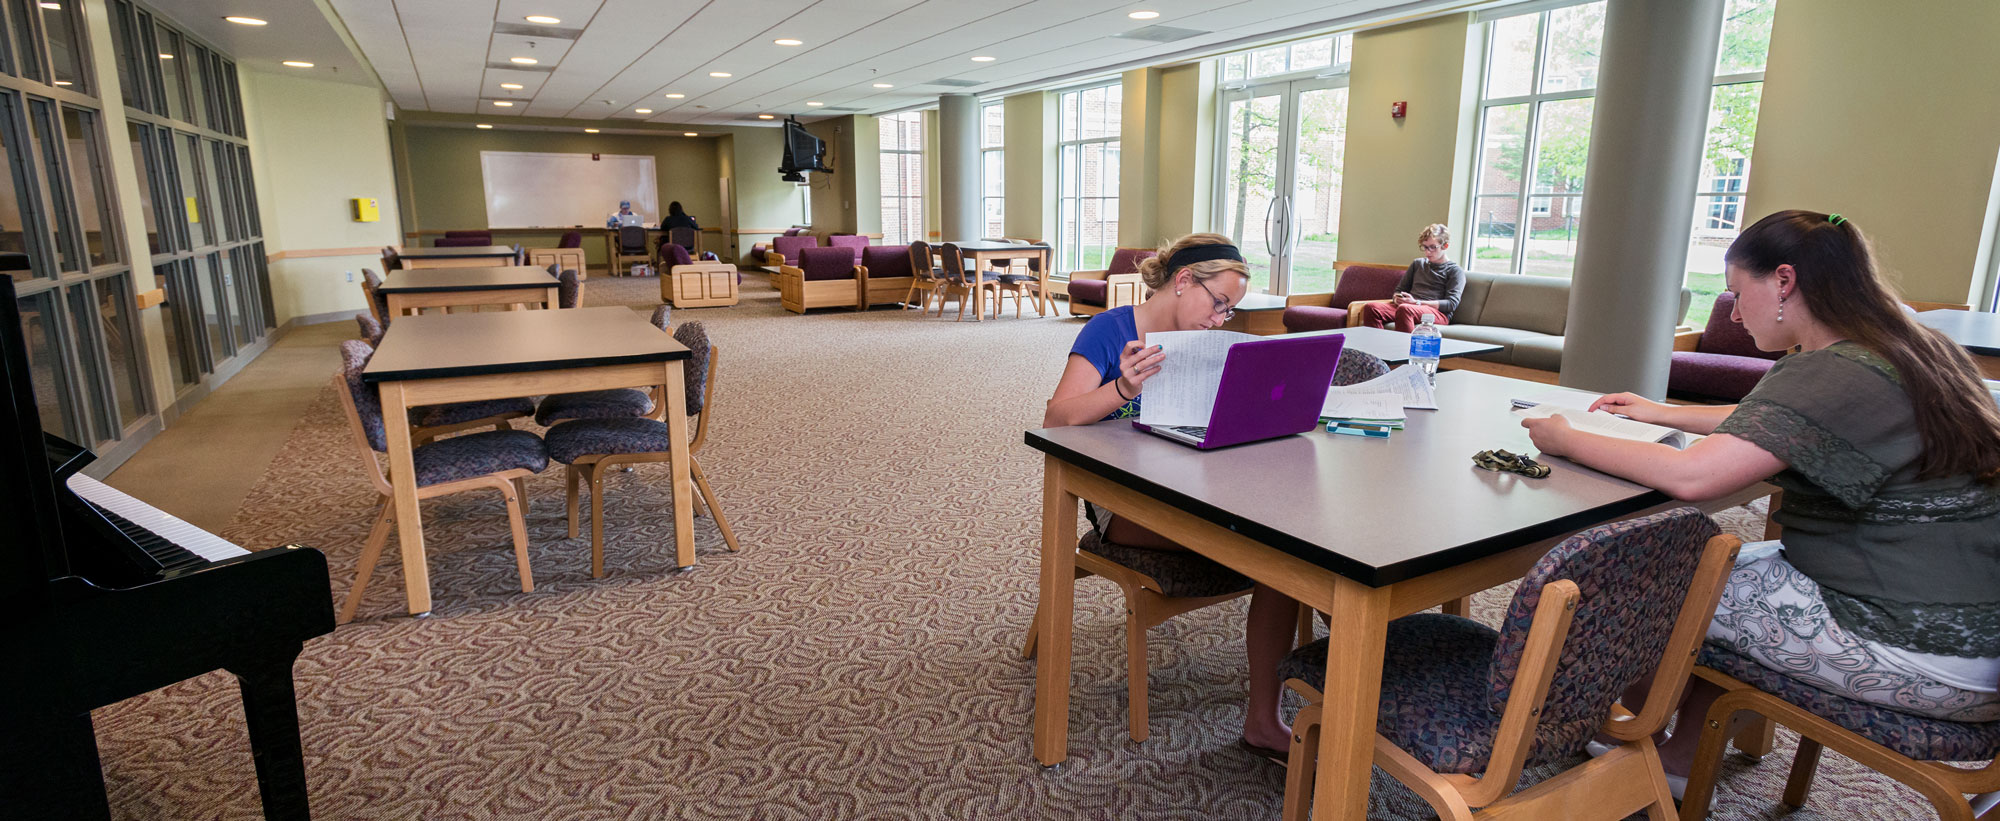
[(1201, 253)]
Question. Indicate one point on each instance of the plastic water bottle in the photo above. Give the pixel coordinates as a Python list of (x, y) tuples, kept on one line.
[(1425, 344)]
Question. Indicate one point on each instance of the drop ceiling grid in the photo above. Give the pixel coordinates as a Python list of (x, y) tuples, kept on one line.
[(448, 42), (378, 30), (689, 52), (619, 30)]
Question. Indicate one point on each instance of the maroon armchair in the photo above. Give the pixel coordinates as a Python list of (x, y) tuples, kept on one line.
[(462, 242), (1720, 362), (823, 278), (849, 241), (1358, 283), (785, 250), (1092, 292), (484, 237), (571, 239), (885, 274)]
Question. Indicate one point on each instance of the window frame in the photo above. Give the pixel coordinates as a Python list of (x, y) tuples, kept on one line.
[(909, 203), (995, 150), (1069, 198)]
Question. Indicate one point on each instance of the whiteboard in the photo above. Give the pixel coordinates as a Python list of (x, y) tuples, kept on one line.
[(529, 189)]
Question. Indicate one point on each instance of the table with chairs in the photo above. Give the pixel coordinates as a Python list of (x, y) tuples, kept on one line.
[(412, 289), (470, 256), (974, 271)]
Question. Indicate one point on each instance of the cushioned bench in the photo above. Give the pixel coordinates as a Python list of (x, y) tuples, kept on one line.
[(1525, 315), (1093, 292), (1359, 282)]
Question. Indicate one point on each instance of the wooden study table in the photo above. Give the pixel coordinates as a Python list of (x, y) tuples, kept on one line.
[(411, 289), (472, 256), (1365, 530), (429, 360), (982, 252), (1260, 314), (1978, 331)]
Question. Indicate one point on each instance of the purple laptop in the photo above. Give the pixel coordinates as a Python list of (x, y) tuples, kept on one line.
[(1270, 388)]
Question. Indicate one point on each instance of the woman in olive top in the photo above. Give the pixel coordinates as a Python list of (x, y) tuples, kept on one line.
[(1886, 588)]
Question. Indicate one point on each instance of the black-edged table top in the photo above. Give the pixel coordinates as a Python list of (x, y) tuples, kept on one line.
[(423, 280), (1394, 346), (1378, 511), (984, 246), (1978, 331), (475, 344), (457, 253)]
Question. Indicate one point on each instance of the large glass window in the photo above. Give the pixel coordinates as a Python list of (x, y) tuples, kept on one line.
[(1732, 131), (902, 137), (1286, 58), (62, 26), (1282, 147), (86, 162), (1088, 121), (993, 167)]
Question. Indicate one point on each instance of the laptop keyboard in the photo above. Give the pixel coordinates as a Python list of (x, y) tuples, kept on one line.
[(1196, 431)]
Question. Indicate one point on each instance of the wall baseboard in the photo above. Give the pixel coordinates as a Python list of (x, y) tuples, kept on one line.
[(317, 319)]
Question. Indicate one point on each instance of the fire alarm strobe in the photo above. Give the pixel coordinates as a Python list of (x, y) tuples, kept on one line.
[(1398, 109)]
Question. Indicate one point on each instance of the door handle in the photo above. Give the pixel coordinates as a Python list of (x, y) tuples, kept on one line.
[(1294, 226), (1270, 246)]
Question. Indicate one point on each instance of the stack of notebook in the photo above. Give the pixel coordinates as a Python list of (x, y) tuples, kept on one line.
[(1362, 414)]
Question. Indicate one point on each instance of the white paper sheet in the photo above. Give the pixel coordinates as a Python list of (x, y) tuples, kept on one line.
[(1342, 404), (1408, 383), (1561, 398), (1609, 425), (1183, 392)]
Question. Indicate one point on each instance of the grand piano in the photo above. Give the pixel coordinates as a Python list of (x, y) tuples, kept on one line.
[(104, 597)]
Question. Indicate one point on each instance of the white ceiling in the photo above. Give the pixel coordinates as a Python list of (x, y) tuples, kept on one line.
[(297, 30), (609, 57)]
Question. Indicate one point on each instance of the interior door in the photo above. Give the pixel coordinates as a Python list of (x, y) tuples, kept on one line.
[(1281, 167)]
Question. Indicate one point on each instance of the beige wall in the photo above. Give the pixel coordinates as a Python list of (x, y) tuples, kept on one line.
[(1139, 159), (1030, 158), (765, 205), (1886, 113), (1398, 175), (848, 201), (314, 145), (1185, 173)]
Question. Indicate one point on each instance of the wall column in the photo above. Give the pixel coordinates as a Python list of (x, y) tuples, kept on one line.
[(958, 168), (1638, 192)]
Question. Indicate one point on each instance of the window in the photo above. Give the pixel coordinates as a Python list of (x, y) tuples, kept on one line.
[(902, 178), (1534, 112), (1324, 52), (993, 167), (1732, 130), (1088, 121)]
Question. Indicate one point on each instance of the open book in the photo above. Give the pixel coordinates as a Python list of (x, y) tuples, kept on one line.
[(1609, 424)]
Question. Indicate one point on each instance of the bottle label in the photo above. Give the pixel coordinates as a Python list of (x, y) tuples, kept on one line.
[(1425, 347)]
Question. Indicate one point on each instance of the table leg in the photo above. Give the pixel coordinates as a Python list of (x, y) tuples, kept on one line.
[(1058, 585), (395, 302), (555, 300), (1353, 693), (403, 485), (680, 461)]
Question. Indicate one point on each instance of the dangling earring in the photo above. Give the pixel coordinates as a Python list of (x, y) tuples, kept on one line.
[(1781, 309)]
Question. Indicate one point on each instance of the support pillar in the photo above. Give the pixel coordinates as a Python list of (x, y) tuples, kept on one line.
[(1638, 194), (959, 212)]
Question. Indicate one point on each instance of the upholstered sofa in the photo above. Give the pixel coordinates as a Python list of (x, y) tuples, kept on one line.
[(785, 250), (885, 275), (852, 242), (1525, 315), (759, 250), (1359, 282), (1094, 292), (1720, 362), (823, 278)]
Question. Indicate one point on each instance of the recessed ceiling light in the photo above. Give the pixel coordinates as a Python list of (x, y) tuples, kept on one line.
[(52, 6), (787, 41), (590, 131), (719, 74), (298, 64), (543, 19), (166, 56), (814, 103), (766, 117), (241, 21), (511, 86), (524, 61), (504, 103), (62, 82), (675, 96), (689, 134), (983, 59), (1143, 15), (885, 85), (642, 111), (482, 125)]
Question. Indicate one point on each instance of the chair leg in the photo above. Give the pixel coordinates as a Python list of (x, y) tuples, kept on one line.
[(521, 489), (714, 506), (517, 520), (1135, 673), (371, 552), (1804, 766), (569, 476), (1302, 764), (1756, 738), (597, 521), (1305, 634), (1662, 807), (1459, 607), (1034, 634), (1707, 758)]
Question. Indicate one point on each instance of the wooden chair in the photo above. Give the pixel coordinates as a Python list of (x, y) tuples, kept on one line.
[(631, 247), (569, 288), (495, 460), (688, 238), (571, 258), (589, 446), (924, 277), (613, 403), (1024, 276), (1119, 283), (377, 303), (968, 285), (826, 277), (391, 260), (1464, 708), (1909, 748)]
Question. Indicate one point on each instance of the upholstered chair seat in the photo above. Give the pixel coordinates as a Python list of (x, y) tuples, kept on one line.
[(577, 438), (612, 403), (1924, 739), (432, 416), (1356, 367), (478, 454), (1181, 573), (1089, 291), (1725, 363)]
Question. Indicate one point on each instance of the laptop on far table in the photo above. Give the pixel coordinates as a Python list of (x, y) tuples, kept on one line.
[(1270, 388)]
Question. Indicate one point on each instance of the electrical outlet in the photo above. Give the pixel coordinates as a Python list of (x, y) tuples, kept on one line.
[(350, 276)]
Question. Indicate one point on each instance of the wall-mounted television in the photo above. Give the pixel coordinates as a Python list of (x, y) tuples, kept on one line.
[(803, 152)]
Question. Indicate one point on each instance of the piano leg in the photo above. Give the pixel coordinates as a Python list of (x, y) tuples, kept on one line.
[(49, 768), (270, 708)]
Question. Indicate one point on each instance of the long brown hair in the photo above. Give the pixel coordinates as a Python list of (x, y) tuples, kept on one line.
[(1956, 417)]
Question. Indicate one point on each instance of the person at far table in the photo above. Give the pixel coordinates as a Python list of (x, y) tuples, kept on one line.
[(1194, 284), (677, 217), (623, 217), (1432, 285), (1886, 585)]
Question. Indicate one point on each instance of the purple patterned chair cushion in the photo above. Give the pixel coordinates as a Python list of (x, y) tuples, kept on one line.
[(571, 239), (431, 416), (1181, 573), (460, 242), (616, 403), (663, 317), (826, 263), (672, 255), (371, 331), (852, 242), (354, 356), (1717, 376), (886, 261), (1433, 689), (1357, 366), (695, 336), (1126, 260), (1089, 291), (1363, 282), (789, 246), (478, 454), (1920, 738), (569, 288), (1314, 318), (1723, 335), (578, 438)]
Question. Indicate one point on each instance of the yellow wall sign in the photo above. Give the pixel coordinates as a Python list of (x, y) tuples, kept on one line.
[(193, 215), (366, 209)]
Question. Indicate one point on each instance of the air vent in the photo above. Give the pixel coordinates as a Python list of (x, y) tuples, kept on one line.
[(1160, 34), (955, 83), (835, 108), (544, 68), (546, 32)]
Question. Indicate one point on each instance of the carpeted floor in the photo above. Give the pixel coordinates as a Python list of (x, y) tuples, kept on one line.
[(859, 658)]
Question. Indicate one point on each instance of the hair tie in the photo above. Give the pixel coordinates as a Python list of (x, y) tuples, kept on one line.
[(1836, 219)]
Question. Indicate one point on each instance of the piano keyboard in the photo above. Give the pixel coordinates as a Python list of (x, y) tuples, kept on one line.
[(157, 532)]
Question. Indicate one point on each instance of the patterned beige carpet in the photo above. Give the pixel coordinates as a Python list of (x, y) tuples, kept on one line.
[(859, 658)]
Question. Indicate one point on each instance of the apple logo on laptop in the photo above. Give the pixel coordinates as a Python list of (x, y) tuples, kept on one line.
[(1277, 391)]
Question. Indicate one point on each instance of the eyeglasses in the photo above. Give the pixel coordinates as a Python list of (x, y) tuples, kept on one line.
[(1222, 308), (1429, 247)]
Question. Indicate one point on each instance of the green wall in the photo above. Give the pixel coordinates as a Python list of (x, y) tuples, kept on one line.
[(449, 190), (1030, 159)]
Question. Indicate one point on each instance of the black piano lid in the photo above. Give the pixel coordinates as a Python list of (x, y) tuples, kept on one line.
[(14, 261)]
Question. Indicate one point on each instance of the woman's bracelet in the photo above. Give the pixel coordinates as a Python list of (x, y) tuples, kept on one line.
[(1121, 390)]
